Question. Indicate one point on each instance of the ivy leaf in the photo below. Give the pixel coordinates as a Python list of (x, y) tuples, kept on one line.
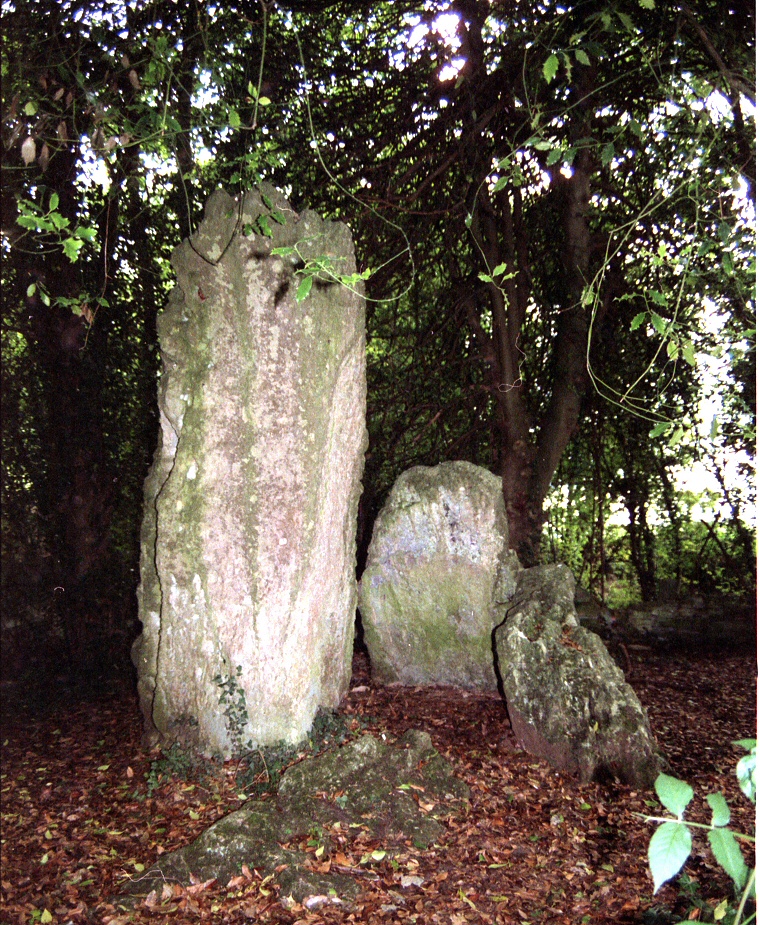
[(551, 66), (668, 850)]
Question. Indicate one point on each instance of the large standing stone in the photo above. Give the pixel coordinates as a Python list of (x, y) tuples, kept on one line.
[(568, 701), (438, 568), (248, 593)]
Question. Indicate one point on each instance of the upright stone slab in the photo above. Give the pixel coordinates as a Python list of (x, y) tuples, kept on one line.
[(439, 573), (248, 594), (568, 701)]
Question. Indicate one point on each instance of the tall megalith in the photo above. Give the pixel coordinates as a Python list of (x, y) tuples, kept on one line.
[(247, 586)]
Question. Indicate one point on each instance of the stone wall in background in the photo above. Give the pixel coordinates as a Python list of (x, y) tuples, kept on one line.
[(248, 593)]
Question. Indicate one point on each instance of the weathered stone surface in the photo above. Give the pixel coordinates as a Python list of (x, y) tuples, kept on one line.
[(248, 537), (568, 702), (363, 785), (438, 569)]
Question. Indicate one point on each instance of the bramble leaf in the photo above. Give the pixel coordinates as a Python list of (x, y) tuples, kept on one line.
[(721, 814), (668, 850), (728, 854), (675, 795)]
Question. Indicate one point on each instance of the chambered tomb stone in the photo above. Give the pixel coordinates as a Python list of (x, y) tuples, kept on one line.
[(568, 701), (247, 593), (439, 573)]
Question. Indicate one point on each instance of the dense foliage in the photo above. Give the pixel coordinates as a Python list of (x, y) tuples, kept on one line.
[(556, 207)]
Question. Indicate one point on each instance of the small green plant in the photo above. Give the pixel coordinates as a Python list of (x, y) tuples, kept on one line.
[(175, 762), (670, 846), (232, 700)]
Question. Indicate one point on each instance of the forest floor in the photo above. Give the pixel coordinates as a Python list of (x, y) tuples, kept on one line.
[(85, 810)]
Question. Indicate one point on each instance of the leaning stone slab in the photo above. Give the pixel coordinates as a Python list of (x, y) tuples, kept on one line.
[(363, 786), (438, 570), (568, 701), (247, 594)]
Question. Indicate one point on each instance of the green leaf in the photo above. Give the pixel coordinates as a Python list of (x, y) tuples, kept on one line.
[(746, 772), (58, 221), (721, 814), (304, 288), (550, 68), (71, 248), (675, 795), (677, 436), (668, 850), (638, 320), (234, 119), (263, 225), (504, 162), (31, 109), (747, 744), (608, 154), (46, 916), (553, 157), (264, 101), (659, 429), (30, 290), (28, 221), (687, 352), (659, 323), (582, 57), (673, 348), (728, 854), (500, 184), (646, 4), (626, 20), (501, 268), (485, 277), (54, 200)]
